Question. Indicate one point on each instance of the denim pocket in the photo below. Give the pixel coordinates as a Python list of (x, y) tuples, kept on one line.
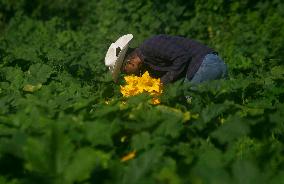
[(211, 68), (211, 59)]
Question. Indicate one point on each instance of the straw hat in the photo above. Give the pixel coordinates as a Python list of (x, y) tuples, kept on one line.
[(115, 55)]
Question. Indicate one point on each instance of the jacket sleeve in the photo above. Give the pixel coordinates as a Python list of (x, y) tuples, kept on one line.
[(168, 77), (172, 75), (177, 68)]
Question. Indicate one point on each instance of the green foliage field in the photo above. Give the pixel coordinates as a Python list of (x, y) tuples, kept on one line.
[(63, 120)]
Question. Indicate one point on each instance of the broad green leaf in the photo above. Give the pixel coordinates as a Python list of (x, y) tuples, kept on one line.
[(38, 73), (140, 168), (246, 172), (15, 76), (141, 141), (50, 154), (233, 129), (210, 167), (83, 163), (100, 132), (168, 173)]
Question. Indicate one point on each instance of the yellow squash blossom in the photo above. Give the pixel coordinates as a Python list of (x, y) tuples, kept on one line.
[(136, 85), (129, 156)]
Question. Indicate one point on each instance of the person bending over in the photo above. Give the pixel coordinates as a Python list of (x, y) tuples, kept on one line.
[(174, 57)]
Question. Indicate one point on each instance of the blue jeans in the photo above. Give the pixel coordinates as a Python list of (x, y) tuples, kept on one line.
[(211, 68)]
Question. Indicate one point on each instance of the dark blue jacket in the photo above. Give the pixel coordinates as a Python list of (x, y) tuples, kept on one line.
[(172, 56)]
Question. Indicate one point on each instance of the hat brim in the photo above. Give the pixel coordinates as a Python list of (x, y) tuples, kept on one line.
[(114, 61)]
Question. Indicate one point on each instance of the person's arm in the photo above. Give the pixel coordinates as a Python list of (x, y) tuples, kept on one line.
[(168, 77), (179, 64)]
